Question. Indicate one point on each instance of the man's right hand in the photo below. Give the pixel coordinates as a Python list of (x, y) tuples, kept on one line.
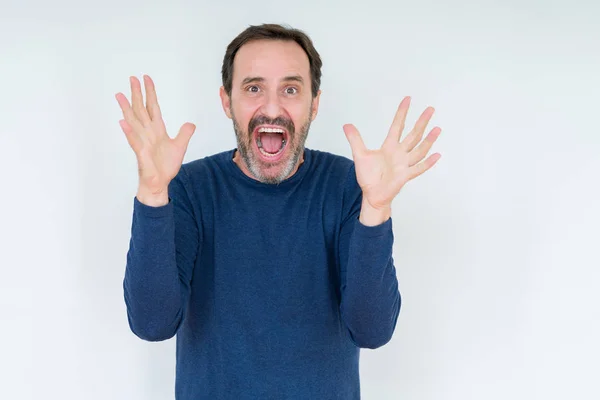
[(159, 157)]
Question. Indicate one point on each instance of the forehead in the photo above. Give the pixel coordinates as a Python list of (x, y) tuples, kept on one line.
[(271, 60)]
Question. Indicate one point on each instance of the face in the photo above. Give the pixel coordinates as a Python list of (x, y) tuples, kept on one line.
[(271, 106)]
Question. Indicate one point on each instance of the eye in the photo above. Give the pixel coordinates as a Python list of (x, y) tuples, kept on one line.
[(252, 89), (291, 90)]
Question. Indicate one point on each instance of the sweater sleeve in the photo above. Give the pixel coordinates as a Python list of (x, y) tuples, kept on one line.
[(163, 248), (370, 299)]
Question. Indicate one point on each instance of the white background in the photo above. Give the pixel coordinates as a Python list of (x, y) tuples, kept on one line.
[(496, 247)]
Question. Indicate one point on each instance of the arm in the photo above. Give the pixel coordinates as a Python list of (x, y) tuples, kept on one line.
[(370, 300), (370, 297), (162, 251)]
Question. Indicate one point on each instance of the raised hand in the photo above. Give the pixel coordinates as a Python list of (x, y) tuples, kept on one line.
[(383, 172), (159, 156)]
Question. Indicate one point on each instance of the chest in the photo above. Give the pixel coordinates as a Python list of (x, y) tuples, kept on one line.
[(277, 253)]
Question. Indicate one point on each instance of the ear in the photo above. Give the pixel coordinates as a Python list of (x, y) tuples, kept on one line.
[(225, 101), (315, 105)]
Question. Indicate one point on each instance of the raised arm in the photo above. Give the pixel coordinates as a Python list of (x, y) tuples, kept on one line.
[(370, 296), (165, 238)]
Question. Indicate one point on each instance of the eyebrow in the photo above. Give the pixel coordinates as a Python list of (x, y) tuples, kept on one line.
[(256, 79)]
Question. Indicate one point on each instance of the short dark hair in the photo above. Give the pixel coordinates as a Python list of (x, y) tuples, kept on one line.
[(272, 32)]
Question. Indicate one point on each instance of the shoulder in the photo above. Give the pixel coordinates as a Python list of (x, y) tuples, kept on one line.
[(204, 168), (336, 177), (201, 172), (329, 164), (217, 160), (336, 174)]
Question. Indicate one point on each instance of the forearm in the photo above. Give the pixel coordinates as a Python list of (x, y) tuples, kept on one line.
[(151, 284), (370, 297)]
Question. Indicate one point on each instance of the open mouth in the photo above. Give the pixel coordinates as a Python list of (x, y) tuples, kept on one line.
[(271, 141)]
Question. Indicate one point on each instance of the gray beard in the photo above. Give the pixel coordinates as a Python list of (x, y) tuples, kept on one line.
[(244, 143)]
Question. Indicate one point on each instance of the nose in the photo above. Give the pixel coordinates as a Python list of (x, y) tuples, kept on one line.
[(272, 107)]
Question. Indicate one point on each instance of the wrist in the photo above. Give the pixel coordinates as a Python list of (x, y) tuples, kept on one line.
[(153, 198), (371, 216)]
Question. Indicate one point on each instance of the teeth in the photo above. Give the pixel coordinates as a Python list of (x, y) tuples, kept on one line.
[(277, 130), (268, 154)]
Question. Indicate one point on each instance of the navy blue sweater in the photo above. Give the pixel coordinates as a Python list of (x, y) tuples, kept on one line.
[(271, 289)]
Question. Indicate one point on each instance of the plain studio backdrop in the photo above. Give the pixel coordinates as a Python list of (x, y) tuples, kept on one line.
[(496, 247)]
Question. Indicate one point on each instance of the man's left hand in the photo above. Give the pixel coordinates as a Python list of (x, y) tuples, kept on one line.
[(383, 172)]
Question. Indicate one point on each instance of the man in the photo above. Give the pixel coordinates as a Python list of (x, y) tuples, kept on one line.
[(271, 262)]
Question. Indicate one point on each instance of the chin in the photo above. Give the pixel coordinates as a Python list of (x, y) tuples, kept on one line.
[(269, 171)]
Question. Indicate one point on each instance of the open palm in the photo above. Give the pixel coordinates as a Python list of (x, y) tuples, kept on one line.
[(159, 156), (382, 173)]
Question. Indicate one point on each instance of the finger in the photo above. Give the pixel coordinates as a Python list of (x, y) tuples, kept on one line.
[(132, 138), (423, 148), (185, 134), (128, 113), (414, 137), (397, 127), (356, 143), (151, 99), (420, 168), (137, 101)]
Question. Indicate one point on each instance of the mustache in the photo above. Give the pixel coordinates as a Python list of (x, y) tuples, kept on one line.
[(264, 120)]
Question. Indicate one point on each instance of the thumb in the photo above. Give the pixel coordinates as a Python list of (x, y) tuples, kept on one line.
[(354, 138), (185, 134)]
